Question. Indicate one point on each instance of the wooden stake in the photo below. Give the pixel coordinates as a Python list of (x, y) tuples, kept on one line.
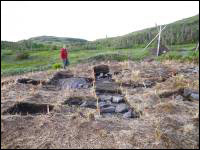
[(159, 40), (47, 109), (197, 47)]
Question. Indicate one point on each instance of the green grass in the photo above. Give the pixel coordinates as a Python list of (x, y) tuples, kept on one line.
[(186, 56), (183, 46), (6, 52), (45, 59)]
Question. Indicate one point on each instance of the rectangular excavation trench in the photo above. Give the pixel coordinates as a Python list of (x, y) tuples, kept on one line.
[(111, 100), (25, 108)]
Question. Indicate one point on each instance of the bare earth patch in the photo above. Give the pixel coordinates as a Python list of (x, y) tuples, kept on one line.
[(103, 105)]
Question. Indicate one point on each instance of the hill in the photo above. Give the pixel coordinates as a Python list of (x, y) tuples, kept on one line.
[(56, 40), (41, 42), (180, 32), (184, 31)]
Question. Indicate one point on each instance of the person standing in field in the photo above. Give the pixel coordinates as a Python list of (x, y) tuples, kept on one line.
[(64, 56)]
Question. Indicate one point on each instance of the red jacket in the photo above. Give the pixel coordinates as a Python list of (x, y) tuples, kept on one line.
[(63, 53)]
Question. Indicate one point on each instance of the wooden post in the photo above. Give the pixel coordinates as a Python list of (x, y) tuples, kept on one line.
[(155, 37), (31, 45), (197, 47), (47, 109), (159, 40)]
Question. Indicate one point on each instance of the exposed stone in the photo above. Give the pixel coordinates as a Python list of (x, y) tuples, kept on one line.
[(105, 97), (73, 83), (196, 70), (128, 114), (194, 96), (121, 108), (187, 92), (117, 99), (179, 97), (110, 109), (86, 86), (103, 105), (89, 104), (110, 87), (74, 101), (101, 75)]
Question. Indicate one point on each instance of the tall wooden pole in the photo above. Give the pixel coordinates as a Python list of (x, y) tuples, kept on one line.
[(154, 37), (159, 40), (197, 47)]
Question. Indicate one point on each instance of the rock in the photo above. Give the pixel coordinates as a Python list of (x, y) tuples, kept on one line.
[(72, 83), (187, 92), (74, 101), (194, 96), (110, 109), (121, 108), (101, 69), (148, 84), (101, 75), (117, 99), (80, 86), (105, 97), (196, 70), (86, 86), (103, 105), (128, 114), (179, 97), (84, 104), (89, 104)]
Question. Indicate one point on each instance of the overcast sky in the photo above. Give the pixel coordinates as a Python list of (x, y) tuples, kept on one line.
[(87, 20)]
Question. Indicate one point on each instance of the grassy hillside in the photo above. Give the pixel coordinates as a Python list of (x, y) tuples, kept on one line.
[(184, 31), (41, 53), (41, 42), (56, 40), (45, 59), (180, 32), (42, 60)]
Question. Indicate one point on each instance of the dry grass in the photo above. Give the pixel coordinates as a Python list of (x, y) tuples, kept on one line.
[(164, 123)]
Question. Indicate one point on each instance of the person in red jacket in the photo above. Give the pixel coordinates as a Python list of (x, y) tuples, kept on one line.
[(64, 56)]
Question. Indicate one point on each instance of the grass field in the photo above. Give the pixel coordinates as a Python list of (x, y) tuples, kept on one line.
[(44, 59)]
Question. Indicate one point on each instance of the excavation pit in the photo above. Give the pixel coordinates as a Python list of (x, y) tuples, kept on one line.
[(108, 105), (75, 83), (30, 81), (181, 93), (24, 108), (101, 69), (66, 80)]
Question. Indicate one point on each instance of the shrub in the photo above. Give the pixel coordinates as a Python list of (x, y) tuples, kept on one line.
[(56, 66), (7, 52), (22, 55), (54, 47)]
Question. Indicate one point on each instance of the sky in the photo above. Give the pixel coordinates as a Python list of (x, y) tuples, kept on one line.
[(88, 20)]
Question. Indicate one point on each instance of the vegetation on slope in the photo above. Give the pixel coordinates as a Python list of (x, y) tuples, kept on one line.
[(41, 42), (180, 32)]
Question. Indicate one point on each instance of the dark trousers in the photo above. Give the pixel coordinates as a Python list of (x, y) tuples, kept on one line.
[(65, 63)]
